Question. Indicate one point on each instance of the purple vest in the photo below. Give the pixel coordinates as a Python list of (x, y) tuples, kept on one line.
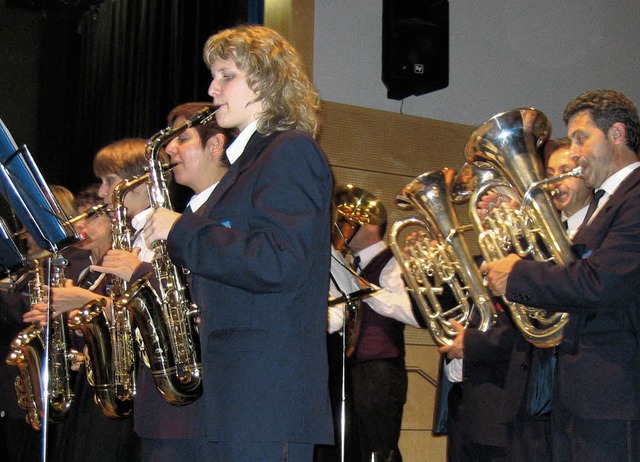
[(380, 337)]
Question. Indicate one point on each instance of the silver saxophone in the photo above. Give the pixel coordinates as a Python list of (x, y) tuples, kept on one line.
[(170, 335), (27, 353), (110, 348)]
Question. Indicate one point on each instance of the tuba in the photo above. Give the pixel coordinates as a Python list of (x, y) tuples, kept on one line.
[(440, 272), (169, 334), (354, 207), (110, 347), (511, 142), (28, 352)]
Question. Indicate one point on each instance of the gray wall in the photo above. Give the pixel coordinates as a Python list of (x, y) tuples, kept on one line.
[(503, 54)]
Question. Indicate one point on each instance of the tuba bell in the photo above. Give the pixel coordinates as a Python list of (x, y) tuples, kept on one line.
[(438, 267), (512, 142), (354, 207)]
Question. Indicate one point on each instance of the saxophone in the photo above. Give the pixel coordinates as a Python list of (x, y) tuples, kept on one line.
[(110, 351), (169, 335), (28, 352)]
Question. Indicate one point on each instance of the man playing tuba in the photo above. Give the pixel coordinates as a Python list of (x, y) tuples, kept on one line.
[(376, 367), (594, 404)]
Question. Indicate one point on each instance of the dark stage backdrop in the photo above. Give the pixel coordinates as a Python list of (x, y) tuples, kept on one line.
[(106, 69)]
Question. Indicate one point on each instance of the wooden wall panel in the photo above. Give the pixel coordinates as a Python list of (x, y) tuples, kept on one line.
[(382, 152)]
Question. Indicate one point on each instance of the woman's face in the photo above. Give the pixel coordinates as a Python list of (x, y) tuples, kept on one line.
[(135, 200), (238, 105), (193, 164), (187, 156), (96, 230)]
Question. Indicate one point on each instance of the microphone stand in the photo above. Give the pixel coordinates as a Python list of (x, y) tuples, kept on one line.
[(350, 304)]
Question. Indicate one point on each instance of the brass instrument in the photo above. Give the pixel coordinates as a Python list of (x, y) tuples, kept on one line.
[(354, 207), (29, 353), (170, 336), (110, 344), (512, 143), (438, 267)]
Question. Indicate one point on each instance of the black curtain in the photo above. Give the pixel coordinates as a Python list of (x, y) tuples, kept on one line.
[(115, 70)]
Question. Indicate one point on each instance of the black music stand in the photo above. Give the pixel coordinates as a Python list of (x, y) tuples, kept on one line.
[(345, 281)]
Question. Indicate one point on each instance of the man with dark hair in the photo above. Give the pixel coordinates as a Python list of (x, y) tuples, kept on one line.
[(570, 196), (596, 409)]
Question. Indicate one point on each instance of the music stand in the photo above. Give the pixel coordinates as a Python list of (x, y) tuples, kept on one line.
[(345, 282)]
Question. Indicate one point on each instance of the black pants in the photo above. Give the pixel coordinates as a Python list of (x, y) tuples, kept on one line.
[(379, 393)]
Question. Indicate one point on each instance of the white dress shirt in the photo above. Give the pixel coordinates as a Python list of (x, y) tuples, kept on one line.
[(391, 300), (138, 222)]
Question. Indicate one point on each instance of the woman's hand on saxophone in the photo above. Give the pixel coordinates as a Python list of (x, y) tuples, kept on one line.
[(63, 300), (37, 314), (159, 224), (120, 263)]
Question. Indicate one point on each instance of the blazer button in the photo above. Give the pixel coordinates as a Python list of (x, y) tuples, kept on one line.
[(524, 367)]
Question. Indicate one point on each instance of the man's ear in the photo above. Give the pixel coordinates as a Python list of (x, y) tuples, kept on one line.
[(618, 133)]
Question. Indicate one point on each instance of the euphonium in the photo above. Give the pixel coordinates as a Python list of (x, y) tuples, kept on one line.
[(512, 143), (28, 353), (354, 208), (170, 336), (110, 344), (436, 260)]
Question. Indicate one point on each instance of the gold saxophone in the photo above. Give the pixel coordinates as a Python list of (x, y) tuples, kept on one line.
[(110, 348), (170, 336), (28, 352)]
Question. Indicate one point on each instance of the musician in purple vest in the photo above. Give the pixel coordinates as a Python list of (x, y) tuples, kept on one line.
[(376, 366)]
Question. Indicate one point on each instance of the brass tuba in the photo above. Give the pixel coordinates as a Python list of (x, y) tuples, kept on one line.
[(354, 207), (512, 143), (28, 352), (438, 267)]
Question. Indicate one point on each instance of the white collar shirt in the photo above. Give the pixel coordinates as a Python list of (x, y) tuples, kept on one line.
[(137, 222), (611, 184), (235, 150)]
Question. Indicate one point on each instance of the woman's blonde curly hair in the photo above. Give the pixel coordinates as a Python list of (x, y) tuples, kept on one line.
[(274, 70)]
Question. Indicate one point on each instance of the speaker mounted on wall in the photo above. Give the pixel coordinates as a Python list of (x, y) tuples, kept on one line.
[(415, 46)]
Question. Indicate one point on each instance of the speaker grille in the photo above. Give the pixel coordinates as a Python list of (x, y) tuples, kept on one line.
[(415, 47)]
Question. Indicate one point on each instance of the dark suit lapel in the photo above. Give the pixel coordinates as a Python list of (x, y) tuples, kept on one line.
[(254, 147), (601, 222)]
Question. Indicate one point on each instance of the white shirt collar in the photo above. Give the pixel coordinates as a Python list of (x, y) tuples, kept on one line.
[(197, 200), (575, 220), (140, 219), (611, 184), (235, 150)]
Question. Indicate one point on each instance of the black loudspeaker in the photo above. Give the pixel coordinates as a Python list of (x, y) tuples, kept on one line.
[(415, 46)]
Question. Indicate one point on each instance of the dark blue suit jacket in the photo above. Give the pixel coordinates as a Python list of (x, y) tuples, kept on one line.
[(259, 255), (599, 361)]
